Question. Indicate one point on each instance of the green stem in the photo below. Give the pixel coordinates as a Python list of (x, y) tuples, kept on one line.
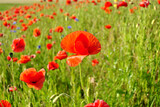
[(82, 86), (73, 85)]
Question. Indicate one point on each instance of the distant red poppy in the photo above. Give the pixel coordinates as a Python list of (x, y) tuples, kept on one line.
[(82, 44), (68, 2), (1, 34), (38, 52), (36, 32), (158, 1), (59, 29), (107, 4), (144, 3), (11, 89), (61, 10), (1, 51), (52, 66), (18, 45), (5, 23), (108, 26), (75, 0), (49, 46), (4, 103), (24, 59), (49, 37), (49, 0), (97, 103), (28, 16), (95, 62), (61, 55), (122, 3), (9, 58), (33, 78), (14, 59)]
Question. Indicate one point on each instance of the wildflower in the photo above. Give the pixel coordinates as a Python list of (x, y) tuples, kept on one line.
[(52, 66), (4, 103), (97, 103), (24, 59), (61, 55), (32, 78), (82, 44), (18, 45), (36, 32)]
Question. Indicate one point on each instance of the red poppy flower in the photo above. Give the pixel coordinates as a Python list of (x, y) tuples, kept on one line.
[(14, 59), (38, 52), (49, 37), (9, 58), (158, 1), (75, 0), (61, 55), (61, 10), (18, 45), (1, 51), (52, 66), (4, 103), (5, 23), (33, 78), (144, 3), (1, 34), (82, 44), (59, 29), (108, 26), (24, 28), (24, 59), (28, 16), (49, 0), (95, 62), (11, 89), (68, 2), (49, 46), (107, 4), (97, 103), (122, 3), (36, 32)]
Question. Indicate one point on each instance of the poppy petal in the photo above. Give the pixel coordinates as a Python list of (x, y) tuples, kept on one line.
[(81, 44), (75, 60)]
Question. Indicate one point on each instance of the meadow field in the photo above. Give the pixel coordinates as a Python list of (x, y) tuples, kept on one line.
[(72, 54)]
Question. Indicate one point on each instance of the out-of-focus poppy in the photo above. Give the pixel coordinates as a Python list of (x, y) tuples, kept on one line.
[(52, 66), (1, 51), (36, 32), (158, 1), (38, 52), (14, 59), (97, 103), (61, 55), (4, 103), (107, 4), (24, 59), (1, 34), (122, 3), (49, 37), (33, 78), (49, 0), (95, 62), (61, 10), (144, 3), (68, 2), (18, 45), (75, 0), (59, 29), (49, 46), (82, 44), (11, 89), (9, 58), (108, 26)]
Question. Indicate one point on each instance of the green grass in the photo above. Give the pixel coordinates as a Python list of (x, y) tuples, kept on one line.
[(129, 49), (6, 6)]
